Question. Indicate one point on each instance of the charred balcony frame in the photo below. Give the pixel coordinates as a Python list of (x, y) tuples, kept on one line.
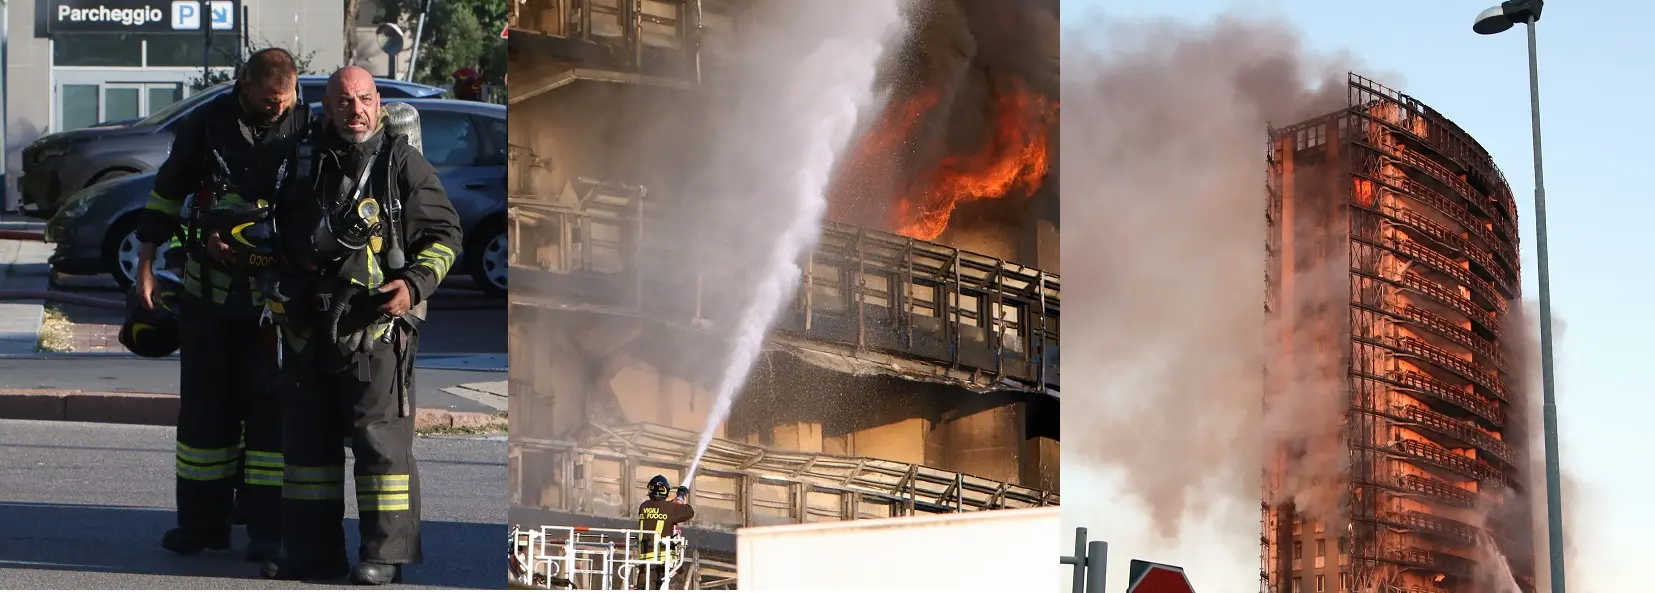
[(1418, 155), (965, 313), (654, 37), (740, 485)]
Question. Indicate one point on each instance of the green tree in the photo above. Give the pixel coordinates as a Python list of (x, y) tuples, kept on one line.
[(458, 34)]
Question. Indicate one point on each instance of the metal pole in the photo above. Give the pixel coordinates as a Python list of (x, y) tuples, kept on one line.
[(419, 31), (207, 44), (1097, 560), (1078, 560), (1554, 495)]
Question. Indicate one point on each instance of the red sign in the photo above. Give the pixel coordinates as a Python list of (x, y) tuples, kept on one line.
[(1158, 578), (504, 30)]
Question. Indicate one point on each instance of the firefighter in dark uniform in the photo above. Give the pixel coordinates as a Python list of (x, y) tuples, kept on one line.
[(661, 517), (368, 247), (232, 152)]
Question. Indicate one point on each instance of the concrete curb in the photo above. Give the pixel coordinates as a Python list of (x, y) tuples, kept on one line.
[(161, 409)]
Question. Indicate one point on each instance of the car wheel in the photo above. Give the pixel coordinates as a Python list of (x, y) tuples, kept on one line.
[(121, 252), (486, 259)]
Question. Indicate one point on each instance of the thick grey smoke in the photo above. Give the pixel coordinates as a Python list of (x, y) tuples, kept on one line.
[(1165, 324), (1522, 334)]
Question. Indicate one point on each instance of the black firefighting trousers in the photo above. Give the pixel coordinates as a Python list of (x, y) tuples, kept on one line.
[(229, 431), (321, 411)]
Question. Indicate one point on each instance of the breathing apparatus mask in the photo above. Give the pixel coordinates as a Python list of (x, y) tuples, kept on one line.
[(358, 230), (354, 221)]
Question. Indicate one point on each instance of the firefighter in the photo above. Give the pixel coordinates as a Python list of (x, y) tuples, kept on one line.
[(367, 250), (661, 517), (232, 151)]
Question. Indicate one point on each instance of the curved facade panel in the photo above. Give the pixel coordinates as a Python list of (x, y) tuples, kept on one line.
[(1393, 233)]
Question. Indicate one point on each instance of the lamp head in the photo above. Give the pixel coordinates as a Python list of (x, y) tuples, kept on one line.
[(1507, 14), (1491, 21)]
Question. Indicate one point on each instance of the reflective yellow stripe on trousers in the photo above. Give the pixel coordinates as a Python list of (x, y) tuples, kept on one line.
[(264, 468), (206, 465), (382, 493), (301, 482)]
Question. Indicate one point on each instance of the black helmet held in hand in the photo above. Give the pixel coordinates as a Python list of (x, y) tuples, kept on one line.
[(152, 332), (659, 489)]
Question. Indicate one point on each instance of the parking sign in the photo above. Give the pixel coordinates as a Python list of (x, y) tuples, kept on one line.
[(224, 15), (186, 15)]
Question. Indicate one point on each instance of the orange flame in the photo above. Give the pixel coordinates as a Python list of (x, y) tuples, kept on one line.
[(1014, 157)]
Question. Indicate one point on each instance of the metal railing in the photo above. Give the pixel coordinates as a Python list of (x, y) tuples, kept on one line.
[(1446, 136), (742, 485), (861, 288)]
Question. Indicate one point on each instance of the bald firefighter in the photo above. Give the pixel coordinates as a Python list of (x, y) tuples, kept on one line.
[(365, 251), (660, 515), (234, 151)]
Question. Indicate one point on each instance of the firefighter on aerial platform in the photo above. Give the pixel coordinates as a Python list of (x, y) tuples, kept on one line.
[(661, 517), (233, 152), (363, 253)]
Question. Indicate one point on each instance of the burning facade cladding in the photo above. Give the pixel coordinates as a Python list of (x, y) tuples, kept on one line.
[(1392, 276)]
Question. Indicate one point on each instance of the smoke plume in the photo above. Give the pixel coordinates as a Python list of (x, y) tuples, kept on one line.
[(1165, 320), (1523, 351)]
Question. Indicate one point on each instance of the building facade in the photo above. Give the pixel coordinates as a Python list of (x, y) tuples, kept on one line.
[(1392, 283), (71, 64)]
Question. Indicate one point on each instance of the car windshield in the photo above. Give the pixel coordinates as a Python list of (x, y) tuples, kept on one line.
[(177, 107)]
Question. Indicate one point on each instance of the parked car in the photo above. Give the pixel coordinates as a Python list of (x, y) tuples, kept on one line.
[(96, 230), (57, 165)]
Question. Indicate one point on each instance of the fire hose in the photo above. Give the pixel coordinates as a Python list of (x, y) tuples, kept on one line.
[(17, 235), (67, 298)]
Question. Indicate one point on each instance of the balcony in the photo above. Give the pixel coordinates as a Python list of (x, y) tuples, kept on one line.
[(1448, 138), (1437, 293), (1419, 558), (1457, 430), (1442, 327), (1459, 366), (1425, 385), (953, 313), (1435, 455), (1442, 175), (1437, 490), (1428, 524), (1505, 249), (1440, 263), (1442, 234)]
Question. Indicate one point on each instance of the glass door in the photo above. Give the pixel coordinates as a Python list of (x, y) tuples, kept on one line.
[(122, 102), (86, 104)]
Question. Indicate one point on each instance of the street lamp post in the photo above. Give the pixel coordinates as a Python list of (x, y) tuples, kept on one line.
[(1492, 21)]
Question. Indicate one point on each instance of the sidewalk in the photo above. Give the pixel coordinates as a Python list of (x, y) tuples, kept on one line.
[(22, 267)]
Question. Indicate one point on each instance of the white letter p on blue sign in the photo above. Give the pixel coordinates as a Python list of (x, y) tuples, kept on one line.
[(186, 15)]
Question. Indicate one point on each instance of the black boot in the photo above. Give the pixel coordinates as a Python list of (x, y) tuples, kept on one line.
[(263, 550), (189, 543), (373, 573), (287, 569)]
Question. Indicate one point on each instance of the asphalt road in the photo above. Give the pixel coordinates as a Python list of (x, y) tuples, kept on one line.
[(83, 506), (130, 374)]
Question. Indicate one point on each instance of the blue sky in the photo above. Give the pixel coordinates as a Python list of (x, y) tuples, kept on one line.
[(1597, 86)]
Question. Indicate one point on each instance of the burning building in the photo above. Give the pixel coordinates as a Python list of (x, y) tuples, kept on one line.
[(1391, 281), (916, 369)]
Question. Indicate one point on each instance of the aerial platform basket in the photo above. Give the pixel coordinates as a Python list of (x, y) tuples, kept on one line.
[(589, 558)]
